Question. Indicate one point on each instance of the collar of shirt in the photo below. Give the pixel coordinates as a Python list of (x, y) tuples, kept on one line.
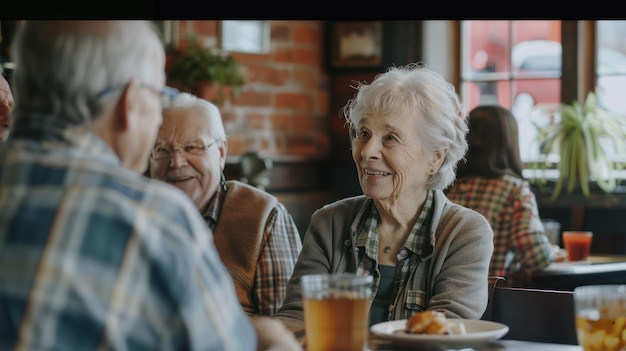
[(54, 135), (416, 241), (212, 211)]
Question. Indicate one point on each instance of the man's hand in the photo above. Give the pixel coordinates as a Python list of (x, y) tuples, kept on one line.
[(274, 336)]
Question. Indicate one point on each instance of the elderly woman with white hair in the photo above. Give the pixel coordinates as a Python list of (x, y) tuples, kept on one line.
[(408, 131)]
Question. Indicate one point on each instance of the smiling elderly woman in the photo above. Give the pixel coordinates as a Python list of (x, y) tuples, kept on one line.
[(408, 132)]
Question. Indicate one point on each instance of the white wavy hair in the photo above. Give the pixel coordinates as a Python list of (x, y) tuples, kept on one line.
[(423, 94)]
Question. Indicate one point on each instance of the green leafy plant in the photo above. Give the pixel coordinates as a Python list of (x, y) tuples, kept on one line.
[(194, 63), (582, 135)]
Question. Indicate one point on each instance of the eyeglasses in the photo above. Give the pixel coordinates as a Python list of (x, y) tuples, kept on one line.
[(162, 152), (166, 93)]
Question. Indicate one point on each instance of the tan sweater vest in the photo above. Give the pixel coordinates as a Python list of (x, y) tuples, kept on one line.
[(240, 236)]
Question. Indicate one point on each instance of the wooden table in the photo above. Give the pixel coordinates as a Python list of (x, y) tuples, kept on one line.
[(598, 269)]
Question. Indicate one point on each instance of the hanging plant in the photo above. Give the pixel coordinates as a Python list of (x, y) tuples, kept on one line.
[(583, 136), (194, 63)]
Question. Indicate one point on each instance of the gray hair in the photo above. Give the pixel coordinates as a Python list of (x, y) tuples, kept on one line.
[(62, 66), (204, 107), (415, 90)]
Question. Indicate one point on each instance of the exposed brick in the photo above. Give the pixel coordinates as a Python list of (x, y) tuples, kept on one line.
[(282, 55), (279, 121), (306, 78), (279, 32), (237, 145), (307, 56), (283, 107), (228, 116), (266, 74), (250, 59), (301, 123), (254, 98), (257, 121), (297, 101), (208, 28), (308, 34)]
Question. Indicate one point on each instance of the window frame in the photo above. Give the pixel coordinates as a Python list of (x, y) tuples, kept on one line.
[(579, 41), (578, 76)]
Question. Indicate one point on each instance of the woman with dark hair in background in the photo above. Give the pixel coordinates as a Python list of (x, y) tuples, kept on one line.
[(491, 182)]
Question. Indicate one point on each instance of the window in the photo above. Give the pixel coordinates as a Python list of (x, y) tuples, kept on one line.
[(611, 65), (245, 36), (516, 64)]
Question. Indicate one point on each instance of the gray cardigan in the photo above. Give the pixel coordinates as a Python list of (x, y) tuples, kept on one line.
[(452, 279)]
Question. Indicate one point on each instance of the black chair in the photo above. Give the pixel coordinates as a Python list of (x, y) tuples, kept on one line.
[(492, 282), (534, 314)]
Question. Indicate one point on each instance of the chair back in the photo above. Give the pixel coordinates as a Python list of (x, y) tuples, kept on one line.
[(534, 314), (492, 281)]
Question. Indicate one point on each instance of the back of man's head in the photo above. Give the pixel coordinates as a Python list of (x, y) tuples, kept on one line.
[(62, 67)]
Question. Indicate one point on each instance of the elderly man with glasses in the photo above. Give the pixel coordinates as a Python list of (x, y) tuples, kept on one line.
[(255, 235)]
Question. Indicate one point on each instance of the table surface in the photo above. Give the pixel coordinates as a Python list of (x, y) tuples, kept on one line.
[(594, 264), (510, 345)]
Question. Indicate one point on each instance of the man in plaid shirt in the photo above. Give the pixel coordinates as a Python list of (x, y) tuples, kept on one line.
[(92, 254)]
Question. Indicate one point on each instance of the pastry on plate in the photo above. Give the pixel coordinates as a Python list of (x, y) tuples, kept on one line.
[(433, 323)]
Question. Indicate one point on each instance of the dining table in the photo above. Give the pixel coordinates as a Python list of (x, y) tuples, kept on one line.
[(476, 335), (376, 344), (567, 275)]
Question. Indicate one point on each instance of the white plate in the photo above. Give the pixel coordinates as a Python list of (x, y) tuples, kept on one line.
[(477, 331)]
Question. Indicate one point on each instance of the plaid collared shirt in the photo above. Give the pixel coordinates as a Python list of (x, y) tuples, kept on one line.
[(96, 257), (415, 246), (277, 258), (511, 209)]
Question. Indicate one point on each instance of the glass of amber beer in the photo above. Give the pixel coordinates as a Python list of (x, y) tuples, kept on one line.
[(600, 312), (336, 313)]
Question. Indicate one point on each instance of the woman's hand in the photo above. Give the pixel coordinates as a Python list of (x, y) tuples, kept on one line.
[(560, 254)]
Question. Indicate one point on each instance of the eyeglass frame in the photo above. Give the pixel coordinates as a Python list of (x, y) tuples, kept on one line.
[(164, 91), (182, 151)]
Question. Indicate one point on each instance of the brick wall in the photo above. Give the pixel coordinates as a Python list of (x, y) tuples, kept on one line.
[(283, 109)]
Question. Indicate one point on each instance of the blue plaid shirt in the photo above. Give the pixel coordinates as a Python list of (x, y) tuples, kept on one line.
[(96, 257)]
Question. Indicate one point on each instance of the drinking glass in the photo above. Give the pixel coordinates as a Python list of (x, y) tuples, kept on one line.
[(577, 244), (336, 313), (552, 229), (600, 312)]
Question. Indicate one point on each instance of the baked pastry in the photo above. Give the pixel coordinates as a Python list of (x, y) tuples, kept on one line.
[(428, 322)]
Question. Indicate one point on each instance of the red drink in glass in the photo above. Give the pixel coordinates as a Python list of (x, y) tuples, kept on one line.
[(577, 244)]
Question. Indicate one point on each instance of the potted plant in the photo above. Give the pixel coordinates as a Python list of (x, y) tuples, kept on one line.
[(194, 64), (585, 137)]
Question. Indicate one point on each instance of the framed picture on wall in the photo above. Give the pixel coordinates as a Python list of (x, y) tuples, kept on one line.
[(356, 44)]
